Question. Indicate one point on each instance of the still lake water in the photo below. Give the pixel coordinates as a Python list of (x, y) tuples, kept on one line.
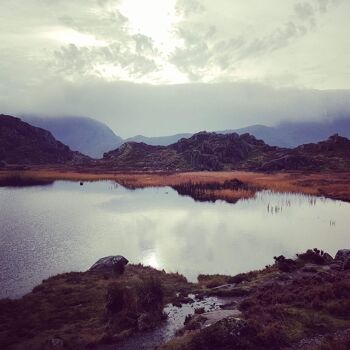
[(45, 230)]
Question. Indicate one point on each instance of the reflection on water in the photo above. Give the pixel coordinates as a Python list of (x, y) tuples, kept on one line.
[(65, 227)]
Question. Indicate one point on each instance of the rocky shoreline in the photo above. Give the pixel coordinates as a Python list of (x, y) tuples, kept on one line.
[(301, 303)]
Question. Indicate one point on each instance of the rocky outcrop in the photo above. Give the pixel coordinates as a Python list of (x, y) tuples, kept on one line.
[(212, 151), (202, 151), (110, 264)]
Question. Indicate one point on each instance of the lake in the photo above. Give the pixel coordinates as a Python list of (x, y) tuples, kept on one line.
[(65, 227)]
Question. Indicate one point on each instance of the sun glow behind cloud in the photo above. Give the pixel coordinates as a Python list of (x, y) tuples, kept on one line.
[(157, 20), (153, 18)]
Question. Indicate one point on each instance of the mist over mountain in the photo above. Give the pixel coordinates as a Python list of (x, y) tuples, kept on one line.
[(293, 134), (287, 134), (82, 134), (158, 140)]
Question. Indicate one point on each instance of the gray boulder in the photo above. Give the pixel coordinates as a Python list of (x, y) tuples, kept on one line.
[(110, 264), (343, 254), (327, 258), (343, 258)]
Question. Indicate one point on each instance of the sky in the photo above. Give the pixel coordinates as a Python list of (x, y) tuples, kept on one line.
[(159, 67)]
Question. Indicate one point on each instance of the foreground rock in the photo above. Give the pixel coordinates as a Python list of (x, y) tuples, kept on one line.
[(110, 264)]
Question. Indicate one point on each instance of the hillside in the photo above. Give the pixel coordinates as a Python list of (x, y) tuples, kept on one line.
[(332, 154), (211, 151), (21, 143), (82, 134)]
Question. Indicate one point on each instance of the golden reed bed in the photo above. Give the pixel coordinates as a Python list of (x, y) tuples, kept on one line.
[(329, 184)]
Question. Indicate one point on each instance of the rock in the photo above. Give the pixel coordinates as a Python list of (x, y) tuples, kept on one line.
[(110, 264), (193, 322), (328, 258), (343, 258), (342, 254)]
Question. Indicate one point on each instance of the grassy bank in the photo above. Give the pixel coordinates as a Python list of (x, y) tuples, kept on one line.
[(280, 307), (292, 304), (87, 309)]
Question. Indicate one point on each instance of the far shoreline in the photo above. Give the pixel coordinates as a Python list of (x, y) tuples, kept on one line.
[(329, 184)]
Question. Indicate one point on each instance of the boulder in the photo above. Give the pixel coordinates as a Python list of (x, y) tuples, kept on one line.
[(110, 264), (343, 258), (342, 255), (327, 258)]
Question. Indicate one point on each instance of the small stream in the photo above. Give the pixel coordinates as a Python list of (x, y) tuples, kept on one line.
[(166, 330)]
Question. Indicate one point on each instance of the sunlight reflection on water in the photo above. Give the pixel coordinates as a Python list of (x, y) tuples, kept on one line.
[(65, 227)]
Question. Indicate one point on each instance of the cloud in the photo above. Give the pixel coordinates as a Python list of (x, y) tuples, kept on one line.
[(159, 110), (243, 61), (225, 50)]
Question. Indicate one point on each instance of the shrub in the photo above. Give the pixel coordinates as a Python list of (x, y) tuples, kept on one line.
[(314, 256)]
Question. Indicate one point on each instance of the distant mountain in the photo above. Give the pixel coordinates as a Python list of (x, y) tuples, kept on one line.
[(283, 135), (293, 134), (21, 143), (82, 134), (160, 140), (212, 151), (268, 134)]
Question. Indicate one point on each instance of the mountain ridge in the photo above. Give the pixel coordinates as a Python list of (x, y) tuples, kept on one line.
[(286, 134), (217, 152)]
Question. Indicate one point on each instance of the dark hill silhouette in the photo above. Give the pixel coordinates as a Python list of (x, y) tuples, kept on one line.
[(22, 143)]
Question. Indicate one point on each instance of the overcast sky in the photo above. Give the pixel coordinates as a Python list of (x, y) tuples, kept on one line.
[(159, 67)]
